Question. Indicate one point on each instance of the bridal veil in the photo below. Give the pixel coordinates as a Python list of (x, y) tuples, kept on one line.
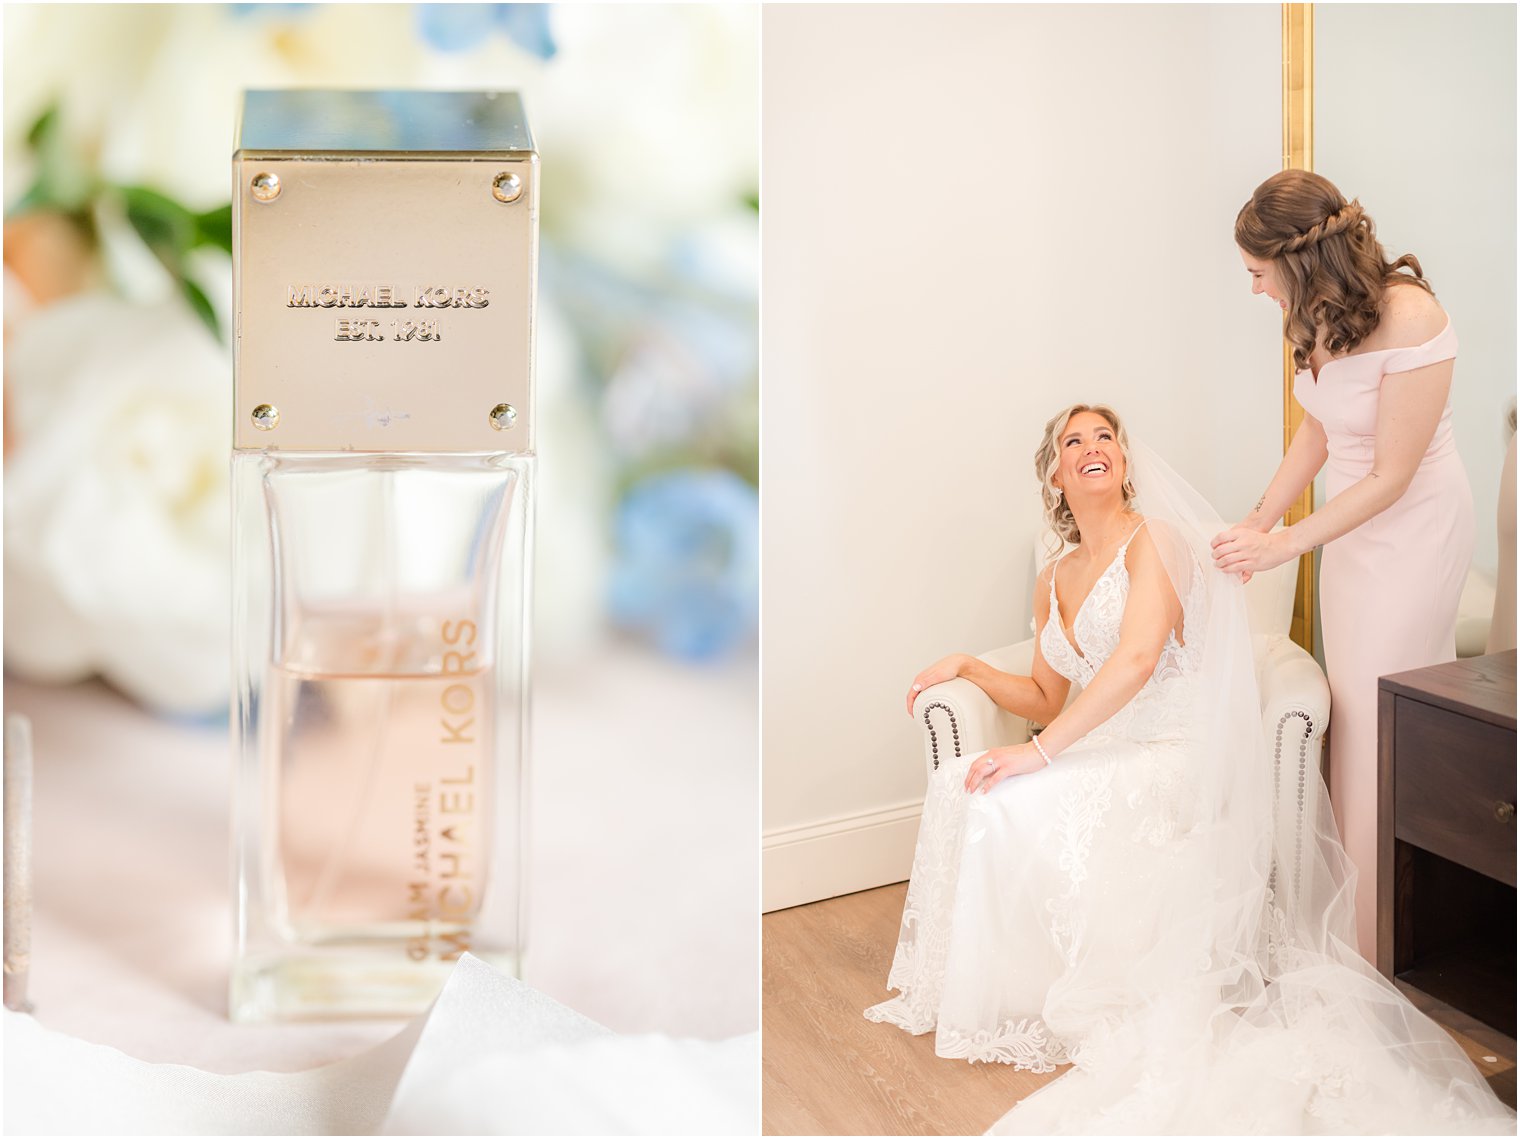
[(1249, 1010)]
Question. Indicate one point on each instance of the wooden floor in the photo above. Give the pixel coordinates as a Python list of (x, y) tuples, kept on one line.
[(829, 1071), (826, 1070), (1489, 1049)]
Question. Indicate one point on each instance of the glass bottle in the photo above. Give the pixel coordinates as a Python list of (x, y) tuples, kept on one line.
[(385, 250)]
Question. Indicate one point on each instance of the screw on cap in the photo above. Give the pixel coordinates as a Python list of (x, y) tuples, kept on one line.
[(506, 187), (265, 186)]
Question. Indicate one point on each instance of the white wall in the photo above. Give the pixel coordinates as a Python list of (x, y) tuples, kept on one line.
[(972, 217), (1415, 115)]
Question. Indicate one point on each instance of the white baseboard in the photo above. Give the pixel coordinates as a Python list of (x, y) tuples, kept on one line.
[(838, 856)]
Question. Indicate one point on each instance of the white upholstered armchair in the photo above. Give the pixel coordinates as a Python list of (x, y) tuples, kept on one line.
[(958, 718)]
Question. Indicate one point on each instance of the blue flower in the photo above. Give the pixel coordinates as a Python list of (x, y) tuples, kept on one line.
[(687, 566), (263, 11), (682, 375), (200, 721), (459, 27)]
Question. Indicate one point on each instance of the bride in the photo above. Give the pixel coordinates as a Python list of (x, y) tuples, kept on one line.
[(1106, 894)]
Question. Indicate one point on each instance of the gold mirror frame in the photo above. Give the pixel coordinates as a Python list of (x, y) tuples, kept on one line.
[(1298, 154)]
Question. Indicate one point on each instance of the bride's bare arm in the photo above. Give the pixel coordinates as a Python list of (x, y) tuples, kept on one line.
[(1036, 697), (1040, 695), (1150, 614)]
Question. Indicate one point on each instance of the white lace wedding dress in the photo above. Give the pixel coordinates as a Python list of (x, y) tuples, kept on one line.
[(1119, 910), (1031, 889)]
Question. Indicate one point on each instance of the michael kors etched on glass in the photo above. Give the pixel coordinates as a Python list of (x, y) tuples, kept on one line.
[(385, 252)]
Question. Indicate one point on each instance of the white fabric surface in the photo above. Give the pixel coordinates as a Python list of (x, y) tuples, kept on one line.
[(492, 1056), (643, 875)]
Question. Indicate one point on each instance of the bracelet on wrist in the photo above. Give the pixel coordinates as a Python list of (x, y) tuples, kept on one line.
[(1040, 748)]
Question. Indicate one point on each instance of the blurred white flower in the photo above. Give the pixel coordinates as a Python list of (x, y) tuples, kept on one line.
[(677, 144), (116, 501), (150, 92)]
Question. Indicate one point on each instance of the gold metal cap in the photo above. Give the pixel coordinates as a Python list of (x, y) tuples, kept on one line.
[(385, 251)]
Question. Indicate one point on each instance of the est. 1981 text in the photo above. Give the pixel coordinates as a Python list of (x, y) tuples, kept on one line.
[(367, 330)]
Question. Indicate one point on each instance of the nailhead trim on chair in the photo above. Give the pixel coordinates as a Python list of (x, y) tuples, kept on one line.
[(1303, 787), (955, 731)]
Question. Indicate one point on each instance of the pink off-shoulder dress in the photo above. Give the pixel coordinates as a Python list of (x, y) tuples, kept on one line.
[(1388, 589)]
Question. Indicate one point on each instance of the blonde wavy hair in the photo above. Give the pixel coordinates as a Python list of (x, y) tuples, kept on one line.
[(1047, 460), (1331, 267)]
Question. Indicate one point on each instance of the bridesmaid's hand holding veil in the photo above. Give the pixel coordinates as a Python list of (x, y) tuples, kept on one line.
[(992, 767), (1246, 551)]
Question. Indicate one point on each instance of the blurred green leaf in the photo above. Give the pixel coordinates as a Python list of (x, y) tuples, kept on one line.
[(63, 181), (171, 230), (37, 197), (201, 304), (67, 183), (752, 200), (214, 228), (166, 227), (49, 191), (42, 130)]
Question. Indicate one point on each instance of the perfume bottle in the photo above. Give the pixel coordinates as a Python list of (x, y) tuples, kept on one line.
[(385, 251)]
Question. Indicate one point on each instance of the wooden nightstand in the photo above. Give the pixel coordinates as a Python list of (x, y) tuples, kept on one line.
[(1446, 834)]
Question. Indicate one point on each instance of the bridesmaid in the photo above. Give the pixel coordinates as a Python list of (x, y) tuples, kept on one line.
[(1374, 352)]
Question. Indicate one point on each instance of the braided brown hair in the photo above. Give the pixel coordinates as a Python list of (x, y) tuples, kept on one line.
[(1329, 263)]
